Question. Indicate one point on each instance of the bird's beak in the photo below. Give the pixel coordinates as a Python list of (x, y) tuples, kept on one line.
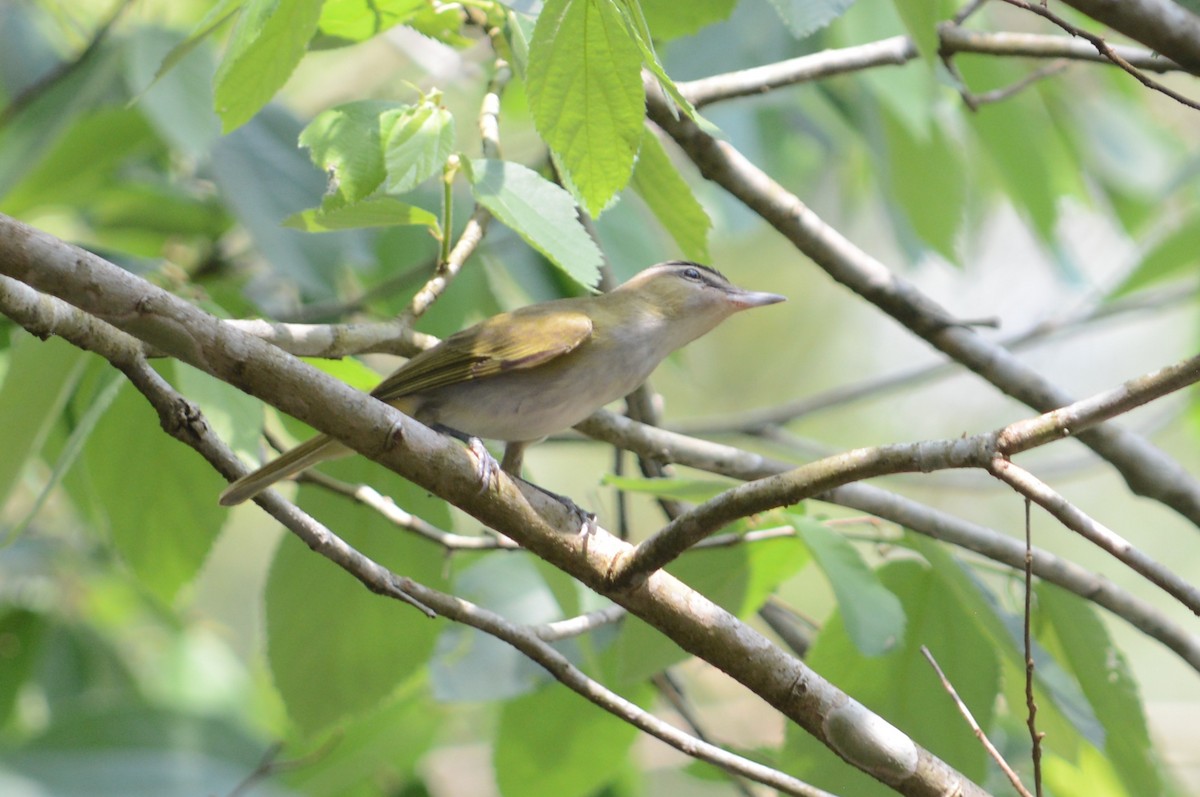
[(744, 300)]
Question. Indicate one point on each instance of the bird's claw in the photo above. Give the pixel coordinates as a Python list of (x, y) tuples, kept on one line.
[(487, 467)]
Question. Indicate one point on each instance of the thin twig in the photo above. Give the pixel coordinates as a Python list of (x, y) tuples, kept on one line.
[(1030, 702), (668, 686), (1105, 49), (469, 239), (1078, 521), (1012, 776)]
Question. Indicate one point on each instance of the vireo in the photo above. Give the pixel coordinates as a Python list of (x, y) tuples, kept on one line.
[(524, 375)]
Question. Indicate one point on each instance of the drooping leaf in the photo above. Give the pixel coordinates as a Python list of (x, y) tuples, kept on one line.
[(1175, 255), (872, 616), (540, 212), (554, 743), (585, 92), (670, 198), (1087, 650), (158, 495), (900, 685), (334, 648)]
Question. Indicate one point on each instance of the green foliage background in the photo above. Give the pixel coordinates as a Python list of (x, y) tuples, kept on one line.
[(281, 158)]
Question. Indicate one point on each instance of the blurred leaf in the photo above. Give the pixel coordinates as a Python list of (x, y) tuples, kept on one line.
[(555, 743), (1063, 711), (48, 370), (157, 495), (380, 211), (268, 42), (901, 686), (347, 143), (585, 91), (671, 20), (385, 745), (927, 177), (804, 17), (178, 103), (680, 489), (263, 178), (1090, 774), (133, 750), (739, 578), (28, 137), (872, 616), (21, 631), (1036, 178), (540, 212), (83, 162), (1088, 652), (359, 20), (335, 649), (670, 198), (1175, 255), (416, 143), (469, 665)]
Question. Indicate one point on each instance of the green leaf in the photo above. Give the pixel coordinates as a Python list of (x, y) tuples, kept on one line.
[(927, 177), (157, 495), (51, 371), (347, 142), (382, 211), (1088, 652), (540, 212), (670, 198), (873, 616), (921, 18), (416, 144), (554, 743), (739, 578), (359, 20), (324, 629), (669, 19), (901, 686), (270, 39), (1175, 255), (585, 91), (679, 489), (804, 17)]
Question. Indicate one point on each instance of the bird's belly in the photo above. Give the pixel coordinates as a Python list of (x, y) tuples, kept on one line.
[(514, 407)]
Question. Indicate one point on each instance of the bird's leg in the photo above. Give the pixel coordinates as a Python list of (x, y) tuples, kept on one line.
[(514, 455)]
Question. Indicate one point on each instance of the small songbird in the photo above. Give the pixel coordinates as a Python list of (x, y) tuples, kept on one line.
[(524, 375)]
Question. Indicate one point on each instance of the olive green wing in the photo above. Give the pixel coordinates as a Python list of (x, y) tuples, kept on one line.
[(507, 342)]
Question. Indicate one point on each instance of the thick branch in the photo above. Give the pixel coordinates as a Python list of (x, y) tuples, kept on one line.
[(541, 524)]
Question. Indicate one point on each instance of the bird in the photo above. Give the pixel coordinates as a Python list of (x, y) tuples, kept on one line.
[(521, 376)]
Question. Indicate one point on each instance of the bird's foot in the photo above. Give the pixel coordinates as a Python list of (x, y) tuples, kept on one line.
[(487, 466)]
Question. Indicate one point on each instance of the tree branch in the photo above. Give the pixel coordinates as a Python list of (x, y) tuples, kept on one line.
[(539, 523), (1146, 469)]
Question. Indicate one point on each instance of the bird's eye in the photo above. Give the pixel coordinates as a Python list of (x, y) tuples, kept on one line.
[(692, 274)]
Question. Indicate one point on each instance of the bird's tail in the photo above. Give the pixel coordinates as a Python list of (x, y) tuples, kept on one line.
[(302, 457)]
